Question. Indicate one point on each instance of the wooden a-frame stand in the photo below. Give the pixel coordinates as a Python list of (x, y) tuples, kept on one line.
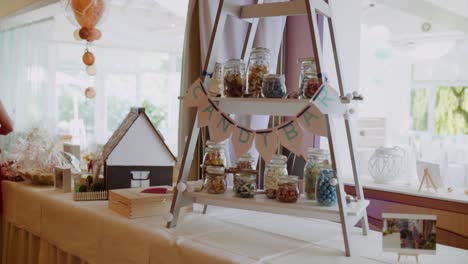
[(347, 215)]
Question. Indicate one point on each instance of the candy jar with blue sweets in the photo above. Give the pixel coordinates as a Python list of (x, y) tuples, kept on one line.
[(325, 189)]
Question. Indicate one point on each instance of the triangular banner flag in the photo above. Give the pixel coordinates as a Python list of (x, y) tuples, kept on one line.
[(313, 121), (206, 113), (221, 128), (328, 101), (242, 139), (290, 136), (195, 95), (266, 142)]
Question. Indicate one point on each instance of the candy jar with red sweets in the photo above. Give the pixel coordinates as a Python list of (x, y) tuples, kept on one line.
[(214, 155), (309, 80)]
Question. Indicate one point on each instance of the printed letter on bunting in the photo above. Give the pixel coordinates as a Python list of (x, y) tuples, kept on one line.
[(266, 142), (221, 128), (195, 95), (328, 101), (205, 113), (313, 121), (242, 140), (290, 136)]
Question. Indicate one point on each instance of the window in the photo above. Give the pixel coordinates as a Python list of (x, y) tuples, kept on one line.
[(440, 109)]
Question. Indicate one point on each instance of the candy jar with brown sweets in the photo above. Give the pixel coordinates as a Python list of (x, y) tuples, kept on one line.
[(288, 189), (273, 171), (215, 182), (309, 81), (259, 65), (234, 78)]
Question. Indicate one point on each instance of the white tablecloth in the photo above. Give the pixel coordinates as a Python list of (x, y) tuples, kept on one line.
[(46, 226)]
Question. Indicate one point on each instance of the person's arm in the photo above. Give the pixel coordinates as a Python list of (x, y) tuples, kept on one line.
[(6, 126)]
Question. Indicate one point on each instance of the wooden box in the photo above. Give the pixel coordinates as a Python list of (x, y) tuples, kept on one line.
[(132, 203)]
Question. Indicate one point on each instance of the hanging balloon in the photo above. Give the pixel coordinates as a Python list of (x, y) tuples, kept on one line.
[(85, 13), (91, 70), (76, 35), (90, 93), (88, 58)]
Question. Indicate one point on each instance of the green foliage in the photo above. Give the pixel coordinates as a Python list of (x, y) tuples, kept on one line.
[(419, 109), (155, 113), (452, 110)]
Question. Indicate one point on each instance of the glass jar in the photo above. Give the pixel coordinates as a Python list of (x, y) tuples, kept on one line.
[(273, 171), (216, 85), (273, 86), (215, 182), (288, 189), (234, 78), (245, 162), (317, 160), (259, 65), (214, 155), (308, 80), (325, 191), (245, 184)]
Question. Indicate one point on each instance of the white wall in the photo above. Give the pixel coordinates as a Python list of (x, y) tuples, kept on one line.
[(140, 147)]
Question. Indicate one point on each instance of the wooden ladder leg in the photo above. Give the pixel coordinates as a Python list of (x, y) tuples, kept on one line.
[(357, 184), (340, 193), (179, 199)]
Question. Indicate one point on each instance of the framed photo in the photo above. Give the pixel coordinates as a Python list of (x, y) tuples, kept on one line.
[(434, 171), (409, 233)]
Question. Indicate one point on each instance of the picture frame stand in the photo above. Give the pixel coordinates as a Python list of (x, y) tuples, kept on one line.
[(408, 255), (427, 178)]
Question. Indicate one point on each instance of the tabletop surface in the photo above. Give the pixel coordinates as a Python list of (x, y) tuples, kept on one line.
[(95, 233)]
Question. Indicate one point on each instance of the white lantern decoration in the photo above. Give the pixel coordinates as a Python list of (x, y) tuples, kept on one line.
[(386, 164)]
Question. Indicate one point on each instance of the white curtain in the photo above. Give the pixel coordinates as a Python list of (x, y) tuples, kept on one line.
[(25, 79)]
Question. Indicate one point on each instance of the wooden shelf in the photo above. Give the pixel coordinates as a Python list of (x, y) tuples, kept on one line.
[(303, 208), (292, 8), (261, 106)]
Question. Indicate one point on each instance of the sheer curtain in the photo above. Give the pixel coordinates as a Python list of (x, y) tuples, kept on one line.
[(26, 81)]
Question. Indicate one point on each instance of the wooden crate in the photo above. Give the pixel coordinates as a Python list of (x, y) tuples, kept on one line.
[(132, 203)]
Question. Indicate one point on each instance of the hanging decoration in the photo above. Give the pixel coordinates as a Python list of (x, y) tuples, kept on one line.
[(289, 134), (86, 15)]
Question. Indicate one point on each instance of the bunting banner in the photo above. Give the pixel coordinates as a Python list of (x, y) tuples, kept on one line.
[(242, 140), (266, 142), (310, 120), (290, 136)]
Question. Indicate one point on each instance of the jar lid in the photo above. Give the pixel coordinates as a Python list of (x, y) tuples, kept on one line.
[(273, 76), (317, 152), (215, 170), (246, 175), (234, 62), (210, 143), (306, 60), (290, 178), (279, 157), (260, 50)]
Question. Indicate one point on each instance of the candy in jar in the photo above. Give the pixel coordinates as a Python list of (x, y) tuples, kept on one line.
[(245, 184), (215, 182), (246, 161), (288, 190), (214, 155), (234, 78), (317, 160), (259, 65), (273, 86), (309, 80), (325, 190), (273, 171)]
